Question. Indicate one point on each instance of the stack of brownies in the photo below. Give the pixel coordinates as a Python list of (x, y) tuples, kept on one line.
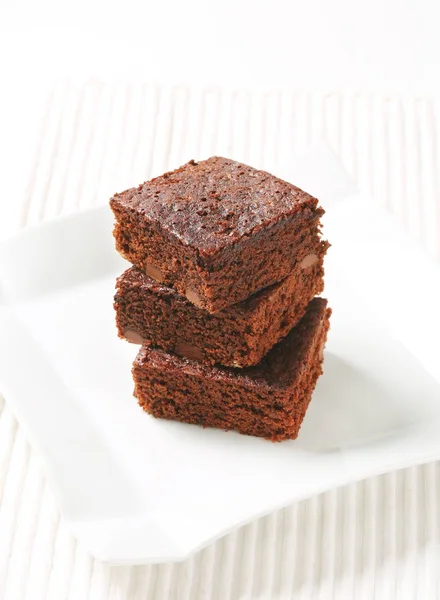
[(228, 261)]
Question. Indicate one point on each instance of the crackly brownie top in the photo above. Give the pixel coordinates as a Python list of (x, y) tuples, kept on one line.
[(278, 369), (211, 203)]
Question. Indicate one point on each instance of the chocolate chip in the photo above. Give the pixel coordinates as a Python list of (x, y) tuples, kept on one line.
[(308, 261), (193, 297), (133, 337), (188, 351), (154, 272)]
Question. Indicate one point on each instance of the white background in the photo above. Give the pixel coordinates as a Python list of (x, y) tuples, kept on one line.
[(327, 45), (389, 47), (391, 44), (386, 45)]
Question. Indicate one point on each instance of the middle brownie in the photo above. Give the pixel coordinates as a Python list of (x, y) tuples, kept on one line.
[(237, 336)]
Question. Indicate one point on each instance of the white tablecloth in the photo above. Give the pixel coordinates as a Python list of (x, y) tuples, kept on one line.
[(375, 539)]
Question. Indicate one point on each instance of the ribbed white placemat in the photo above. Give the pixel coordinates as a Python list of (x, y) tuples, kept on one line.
[(376, 539)]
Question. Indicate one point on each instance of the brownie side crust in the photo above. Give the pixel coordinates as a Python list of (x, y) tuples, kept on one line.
[(267, 400), (217, 230), (237, 336)]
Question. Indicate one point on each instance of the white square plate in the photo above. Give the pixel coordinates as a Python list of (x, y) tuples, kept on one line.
[(135, 489)]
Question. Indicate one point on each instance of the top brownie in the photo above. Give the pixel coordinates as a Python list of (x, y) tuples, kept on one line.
[(217, 230)]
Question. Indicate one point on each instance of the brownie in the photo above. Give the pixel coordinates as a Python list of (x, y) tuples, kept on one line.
[(237, 336), (267, 400), (216, 230)]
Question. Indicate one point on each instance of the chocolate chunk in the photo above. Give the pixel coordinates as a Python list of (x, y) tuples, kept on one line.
[(188, 351), (133, 337), (193, 297), (154, 272), (308, 261)]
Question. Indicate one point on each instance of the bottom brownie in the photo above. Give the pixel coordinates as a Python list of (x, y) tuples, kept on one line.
[(267, 400)]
